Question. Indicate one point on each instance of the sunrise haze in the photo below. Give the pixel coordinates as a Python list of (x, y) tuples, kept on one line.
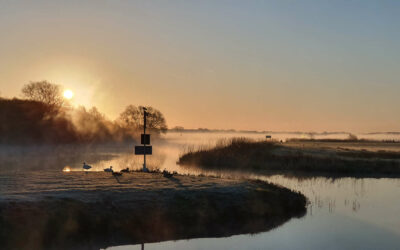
[(256, 65)]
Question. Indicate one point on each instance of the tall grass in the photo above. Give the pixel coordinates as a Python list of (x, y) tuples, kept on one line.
[(249, 155)]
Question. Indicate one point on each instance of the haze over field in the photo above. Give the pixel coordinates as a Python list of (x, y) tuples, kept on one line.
[(261, 65)]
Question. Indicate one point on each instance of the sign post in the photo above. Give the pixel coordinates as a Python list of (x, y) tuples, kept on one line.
[(144, 140), (140, 150)]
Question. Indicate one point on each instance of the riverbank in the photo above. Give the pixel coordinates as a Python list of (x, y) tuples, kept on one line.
[(301, 157), (87, 211)]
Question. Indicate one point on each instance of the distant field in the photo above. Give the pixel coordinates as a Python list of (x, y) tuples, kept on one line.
[(337, 144), (297, 156)]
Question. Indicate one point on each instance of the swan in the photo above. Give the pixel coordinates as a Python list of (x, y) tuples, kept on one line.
[(108, 169), (86, 167)]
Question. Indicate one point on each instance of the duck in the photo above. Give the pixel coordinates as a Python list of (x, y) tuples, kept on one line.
[(86, 167), (125, 170), (109, 169)]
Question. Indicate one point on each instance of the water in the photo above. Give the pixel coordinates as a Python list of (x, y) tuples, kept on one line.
[(344, 213)]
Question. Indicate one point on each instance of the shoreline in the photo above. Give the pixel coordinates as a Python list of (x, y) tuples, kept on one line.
[(174, 208)]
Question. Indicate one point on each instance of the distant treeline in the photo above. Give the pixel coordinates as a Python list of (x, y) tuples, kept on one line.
[(45, 118), (28, 121), (311, 135), (207, 130)]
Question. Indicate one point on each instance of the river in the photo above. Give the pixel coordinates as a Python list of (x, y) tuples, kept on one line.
[(343, 213)]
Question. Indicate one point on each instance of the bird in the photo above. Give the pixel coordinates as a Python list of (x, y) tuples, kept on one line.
[(125, 170), (116, 173), (86, 167), (108, 169)]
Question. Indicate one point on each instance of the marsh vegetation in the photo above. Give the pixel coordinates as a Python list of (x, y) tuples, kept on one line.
[(315, 157)]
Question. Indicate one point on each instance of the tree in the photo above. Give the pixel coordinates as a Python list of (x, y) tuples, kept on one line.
[(92, 125), (132, 118), (45, 92)]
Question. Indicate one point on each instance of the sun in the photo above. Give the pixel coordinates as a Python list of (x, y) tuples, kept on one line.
[(68, 94)]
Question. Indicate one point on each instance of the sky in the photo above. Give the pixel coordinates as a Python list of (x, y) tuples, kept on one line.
[(255, 65)]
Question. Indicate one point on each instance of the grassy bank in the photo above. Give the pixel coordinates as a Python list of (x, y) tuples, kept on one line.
[(147, 208), (301, 157)]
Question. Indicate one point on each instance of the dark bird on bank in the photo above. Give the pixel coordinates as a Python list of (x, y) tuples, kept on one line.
[(125, 170), (86, 167), (109, 170), (167, 174)]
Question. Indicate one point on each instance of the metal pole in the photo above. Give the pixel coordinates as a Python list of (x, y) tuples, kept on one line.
[(144, 139)]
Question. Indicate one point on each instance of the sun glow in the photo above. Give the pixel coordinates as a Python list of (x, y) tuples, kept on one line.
[(68, 94), (66, 169)]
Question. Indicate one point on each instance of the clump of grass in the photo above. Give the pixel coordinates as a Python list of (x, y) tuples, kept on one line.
[(227, 152)]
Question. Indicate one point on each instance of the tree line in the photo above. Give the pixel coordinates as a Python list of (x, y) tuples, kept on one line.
[(44, 116)]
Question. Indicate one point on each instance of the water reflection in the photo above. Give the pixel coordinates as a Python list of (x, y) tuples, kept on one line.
[(343, 213)]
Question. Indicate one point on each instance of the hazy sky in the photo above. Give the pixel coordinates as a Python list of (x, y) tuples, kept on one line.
[(265, 65)]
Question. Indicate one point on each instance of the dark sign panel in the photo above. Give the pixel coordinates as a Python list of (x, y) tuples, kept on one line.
[(140, 150), (145, 139)]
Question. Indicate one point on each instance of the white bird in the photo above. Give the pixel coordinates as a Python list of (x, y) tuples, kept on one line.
[(108, 169), (86, 167)]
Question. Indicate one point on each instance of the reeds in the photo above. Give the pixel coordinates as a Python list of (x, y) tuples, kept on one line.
[(248, 155)]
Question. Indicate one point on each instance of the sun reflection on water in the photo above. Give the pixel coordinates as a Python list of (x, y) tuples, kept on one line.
[(66, 169)]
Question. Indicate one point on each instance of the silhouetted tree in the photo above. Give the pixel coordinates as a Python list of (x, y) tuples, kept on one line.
[(28, 121), (45, 92), (92, 125), (132, 118)]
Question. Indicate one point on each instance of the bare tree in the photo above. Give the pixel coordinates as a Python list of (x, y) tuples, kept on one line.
[(45, 92), (92, 125), (132, 118)]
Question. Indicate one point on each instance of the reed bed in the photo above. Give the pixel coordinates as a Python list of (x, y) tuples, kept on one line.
[(251, 155)]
